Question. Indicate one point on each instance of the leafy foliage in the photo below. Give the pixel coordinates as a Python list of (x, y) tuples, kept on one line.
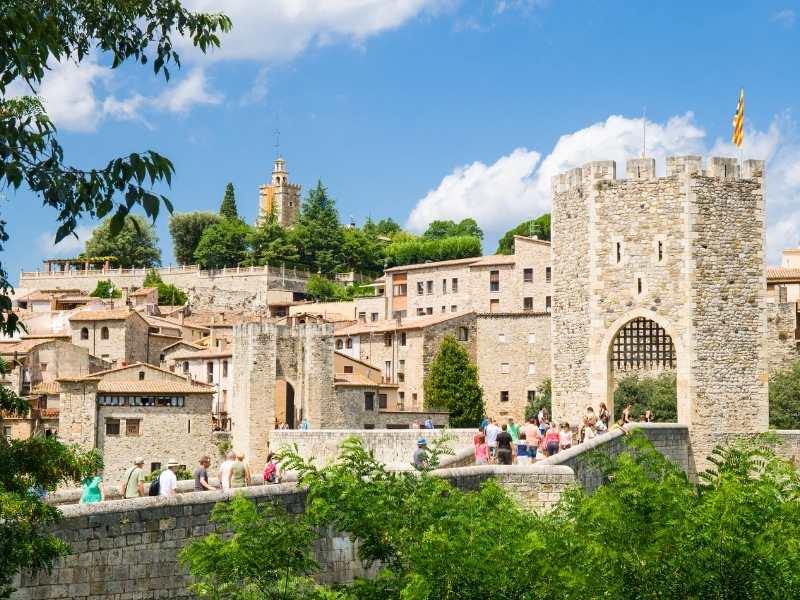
[(784, 398), (106, 289), (38, 34), (384, 227), (180, 475), (658, 394), (186, 229), (438, 230), (452, 384), (227, 210), (270, 244), (414, 251), (135, 244), (223, 245), (317, 234), (540, 227), (168, 294), (321, 289), (542, 399)]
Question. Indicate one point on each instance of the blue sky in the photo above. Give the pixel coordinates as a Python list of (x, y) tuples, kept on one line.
[(423, 109)]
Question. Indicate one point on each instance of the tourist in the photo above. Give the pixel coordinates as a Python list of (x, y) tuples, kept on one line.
[(272, 473), (588, 434), (533, 436), (565, 436), (201, 475), (477, 437), (648, 416), (603, 417), (513, 429), (504, 447), (421, 455), (168, 480), (626, 413), (542, 417), (551, 440), (484, 423), (521, 447), (428, 424), (240, 473), (92, 489), (132, 485), (225, 469), (588, 425), (305, 425), (414, 425), (492, 430), (481, 451)]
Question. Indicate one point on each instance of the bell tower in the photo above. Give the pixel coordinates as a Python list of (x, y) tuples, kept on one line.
[(280, 197)]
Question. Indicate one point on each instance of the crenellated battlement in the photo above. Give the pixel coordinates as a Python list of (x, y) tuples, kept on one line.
[(644, 169)]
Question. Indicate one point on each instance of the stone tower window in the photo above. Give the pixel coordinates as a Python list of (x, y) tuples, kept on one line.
[(84, 333), (639, 285), (660, 250), (619, 252), (104, 333), (141, 375)]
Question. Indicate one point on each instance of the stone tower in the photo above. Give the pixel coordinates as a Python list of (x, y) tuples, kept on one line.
[(273, 364), (663, 273), (280, 196)]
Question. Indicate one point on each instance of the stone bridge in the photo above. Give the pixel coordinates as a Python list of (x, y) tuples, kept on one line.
[(127, 549)]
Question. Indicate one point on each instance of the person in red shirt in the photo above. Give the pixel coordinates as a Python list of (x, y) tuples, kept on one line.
[(552, 440)]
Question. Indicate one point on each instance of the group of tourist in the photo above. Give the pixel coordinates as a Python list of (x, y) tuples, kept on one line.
[(540, 437), (234, 472)]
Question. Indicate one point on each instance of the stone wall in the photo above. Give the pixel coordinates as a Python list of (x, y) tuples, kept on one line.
[(781, 345), (393, 447), (789, 448)]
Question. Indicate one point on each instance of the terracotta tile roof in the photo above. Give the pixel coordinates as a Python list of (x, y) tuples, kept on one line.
[(75, 298), (201, 354), (137, 367), (114, 314), (391, 324), (184, 342), (783, 274), (161, 322), (35, 296), (145, 291), (433, 265), (495, 259), (22, 346), (49, 388), (153, 387), (358, 380)]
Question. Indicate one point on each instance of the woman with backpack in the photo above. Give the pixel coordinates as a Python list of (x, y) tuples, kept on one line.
[(272, 469)]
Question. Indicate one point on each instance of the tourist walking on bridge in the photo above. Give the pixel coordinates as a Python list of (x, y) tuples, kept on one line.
[(168, 480), (225, 470), (201, 475), (132, 485), (240, 473), (505, 451)]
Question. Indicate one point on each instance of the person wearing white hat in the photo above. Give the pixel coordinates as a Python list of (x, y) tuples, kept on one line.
[(168, 481), (133, 483)]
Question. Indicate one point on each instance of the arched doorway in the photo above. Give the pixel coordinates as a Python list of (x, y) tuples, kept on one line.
[(642, 370), (284, 404)]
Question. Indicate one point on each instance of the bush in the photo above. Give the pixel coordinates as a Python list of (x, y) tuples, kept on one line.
[(106, 289), (543, 399), (658, 394), (452, 384), (784, 398)]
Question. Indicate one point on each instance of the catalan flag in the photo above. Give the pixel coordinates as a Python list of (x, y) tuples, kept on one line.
[(738, 122)]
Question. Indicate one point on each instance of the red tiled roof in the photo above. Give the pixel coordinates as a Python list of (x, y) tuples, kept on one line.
[(153, 386), (114, 314), (392, 325), (784, 274)]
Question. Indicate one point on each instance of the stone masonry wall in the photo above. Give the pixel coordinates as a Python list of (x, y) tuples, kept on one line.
[(781, 346)]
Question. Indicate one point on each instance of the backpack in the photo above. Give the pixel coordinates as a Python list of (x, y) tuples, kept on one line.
[(155, 487), (269, 472)]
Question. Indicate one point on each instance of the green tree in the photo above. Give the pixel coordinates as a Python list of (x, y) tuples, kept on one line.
[(452, 384), (268, 554), (223, 245), (658, 394), (186, 229), (385, 227), (44, 33), (168, 294), (106, 289), (784, 397), (135, 245), (37, 35), (360, 251), (414, 251), (270, 244), (322, 289), (317, 234), (443, 229), (540, 227), (227, 210), (542, 399)]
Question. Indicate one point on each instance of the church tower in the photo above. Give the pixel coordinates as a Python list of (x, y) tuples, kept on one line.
[(280, 197)]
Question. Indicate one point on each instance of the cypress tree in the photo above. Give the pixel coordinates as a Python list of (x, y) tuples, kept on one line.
[(228, 207), (452, 384)]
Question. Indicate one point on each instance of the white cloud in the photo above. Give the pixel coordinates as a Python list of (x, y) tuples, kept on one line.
[(66, 248), (191, 90), (517, 186), (266, 31), (785, 17)]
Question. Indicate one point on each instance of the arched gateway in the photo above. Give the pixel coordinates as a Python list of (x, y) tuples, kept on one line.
[(663, 272)]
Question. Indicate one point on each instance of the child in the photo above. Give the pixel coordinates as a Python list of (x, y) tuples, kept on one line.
[(272, 469), (523, 455), (481, 451), (565, 436)]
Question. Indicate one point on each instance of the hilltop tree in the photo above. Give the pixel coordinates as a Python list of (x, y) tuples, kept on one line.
[(223, 244), (539, 227), (37, 35), (134, 245), (360, 251), (106, 289), (318, 234), (784, 397), (168, 294), (452, 384), (227, 210), (270, 244), (186, 229), (443, 229), (385, 227)]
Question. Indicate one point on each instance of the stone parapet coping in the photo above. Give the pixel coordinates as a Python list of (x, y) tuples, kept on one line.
[(504, 470)]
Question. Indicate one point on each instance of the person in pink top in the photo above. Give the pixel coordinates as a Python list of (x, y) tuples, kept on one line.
[(481, 451), (552, 440), (533, 437)]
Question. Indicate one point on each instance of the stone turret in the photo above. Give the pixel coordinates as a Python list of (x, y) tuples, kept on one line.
[(663, 273), (280, 197)]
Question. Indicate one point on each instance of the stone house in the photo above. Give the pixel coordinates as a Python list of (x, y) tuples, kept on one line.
[(403, 349), (36, 365), (144, 297), (137, 410), (513, 360), (119, 335)]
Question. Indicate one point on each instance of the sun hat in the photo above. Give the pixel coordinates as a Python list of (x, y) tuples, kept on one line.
[(422, 442), (138, 461), (172, 463)]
